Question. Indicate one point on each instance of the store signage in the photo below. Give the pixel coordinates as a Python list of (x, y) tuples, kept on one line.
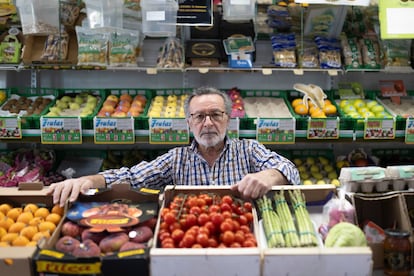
[(276, 131), (392, 88), (233, 128), (59, 130), (10, 128), (323, 128), (409, 131), (379, 128), (113, 130), (168, 131), (396, 19), (336, 2), (195, 12)]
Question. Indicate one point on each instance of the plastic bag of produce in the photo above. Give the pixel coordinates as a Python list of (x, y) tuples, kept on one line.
[(336, 210)]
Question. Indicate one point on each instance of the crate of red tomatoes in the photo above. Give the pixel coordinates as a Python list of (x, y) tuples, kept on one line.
[(205, 229)]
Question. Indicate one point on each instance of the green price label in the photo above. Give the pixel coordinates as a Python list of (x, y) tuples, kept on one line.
[(10, 128), (59, 130), (376, 128), (168, 131), (114, 130), (275, 131), (323, 128)]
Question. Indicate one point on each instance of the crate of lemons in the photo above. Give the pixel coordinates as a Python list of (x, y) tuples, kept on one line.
[(316, 170), (28, 224)]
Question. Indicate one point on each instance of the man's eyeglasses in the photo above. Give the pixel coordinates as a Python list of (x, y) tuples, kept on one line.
[(216, 116)]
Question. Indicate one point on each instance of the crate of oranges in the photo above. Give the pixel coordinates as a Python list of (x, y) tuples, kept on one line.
[(27, 218), (305, 109)]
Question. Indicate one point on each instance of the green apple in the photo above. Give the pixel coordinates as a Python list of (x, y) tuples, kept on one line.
[(307, 182), (377, 108), (371, 103), (66, 99), (79, 99), (74, 106), (349, 108)]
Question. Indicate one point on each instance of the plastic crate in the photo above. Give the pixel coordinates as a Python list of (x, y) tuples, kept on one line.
[(345, 123), (141, 121), (30, 121), (315, 165), (86, 121)]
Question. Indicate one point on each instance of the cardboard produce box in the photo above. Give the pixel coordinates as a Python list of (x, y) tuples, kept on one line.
[(243, 261), (387, 211), (317, 260), (49, 261), (17, 260)]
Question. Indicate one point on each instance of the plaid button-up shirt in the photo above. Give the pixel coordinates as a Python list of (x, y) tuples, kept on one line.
[(185, 166)]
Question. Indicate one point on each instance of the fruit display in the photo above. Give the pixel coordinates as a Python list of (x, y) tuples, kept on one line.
[(237, 108), (93, 229), (206, 220), (80, 104), (404, 109), (123, 105), (362, 108), (25, 105), (26, 225), (266, 107), (171, 106), (316, 170)]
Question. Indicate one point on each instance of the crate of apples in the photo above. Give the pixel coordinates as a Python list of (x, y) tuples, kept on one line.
[(124, 105)]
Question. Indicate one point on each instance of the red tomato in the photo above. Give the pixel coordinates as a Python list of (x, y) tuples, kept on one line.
[(204, 230), (177, 235), (225, 207), (169, 218), (226, 226), (249, 243), (245, 229), (196, 245), (164, 235), (227, 238), (249, 216), (196, 210), (248, 206), (242, 219), (216, 218), (235, 245), (191, 202), (188, 240), (210, 226), (239, 237), (214, 208), (175, 225), (201, 202), (203, 219), (227, 199), (190, 220), (202, 239), (212, 242)]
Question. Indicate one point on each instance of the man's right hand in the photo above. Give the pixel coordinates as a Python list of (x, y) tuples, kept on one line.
[(71, 188)]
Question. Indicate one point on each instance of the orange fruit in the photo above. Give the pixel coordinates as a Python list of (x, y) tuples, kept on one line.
[(30, 207), (35, 221), (6, 222), (39, 235), (47, 226), (14, 213), (20, 241), (16, 227), (297, 102), (4, 208), (4, 244), (329, 109), (31, 243), (42, 212), (57, 209), (25, 217), (301, 109), (9, 237), (2, 232), (327, 101), (2, 215), (318, 114), (55, 218), (29, 231)]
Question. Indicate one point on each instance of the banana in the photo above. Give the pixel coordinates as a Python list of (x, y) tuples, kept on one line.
[(312, 92)]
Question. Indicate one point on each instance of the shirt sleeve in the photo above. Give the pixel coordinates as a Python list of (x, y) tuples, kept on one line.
[(154, 174), (263, 158)]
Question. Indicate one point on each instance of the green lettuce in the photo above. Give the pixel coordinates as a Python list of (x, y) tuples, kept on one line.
[(345, 234)]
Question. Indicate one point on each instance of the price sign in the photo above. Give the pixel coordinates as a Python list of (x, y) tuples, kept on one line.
[(168, 131), (409, 131), (323, 128), (376, 128), (59, 130), (233, 129), (276, 131), (114, 130), (336, 2), (396, 19), (10, 128)]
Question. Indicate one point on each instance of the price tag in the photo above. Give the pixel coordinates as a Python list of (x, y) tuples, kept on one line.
[(323, 128), (59, 130), (378, 128), (409, 131), (233, 129), (113, 130), (276, 131), (393, 89), (10, 128), (396, 19), (168, 131)]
